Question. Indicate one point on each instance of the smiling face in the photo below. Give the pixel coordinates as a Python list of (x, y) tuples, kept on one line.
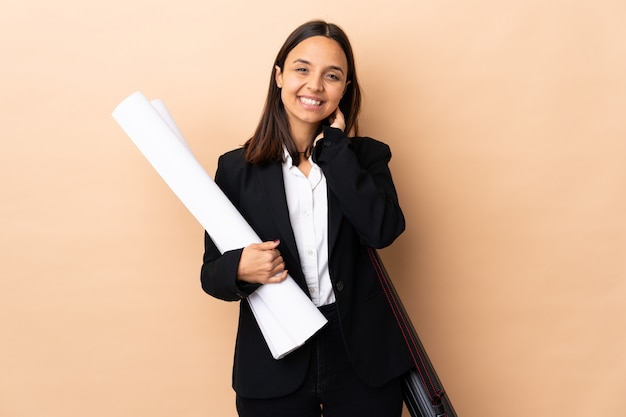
[(312, 83)]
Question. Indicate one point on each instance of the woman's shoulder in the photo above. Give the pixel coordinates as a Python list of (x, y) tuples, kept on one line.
[(230, 164), (232, 160), (367, 142), (367, 146), (234, 155)]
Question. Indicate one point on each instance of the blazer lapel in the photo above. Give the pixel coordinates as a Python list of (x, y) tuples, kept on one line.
[(334, 221), (271, 179)]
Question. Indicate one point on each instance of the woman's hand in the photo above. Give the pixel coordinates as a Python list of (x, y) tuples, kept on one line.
[(337, 120), (261, 263)]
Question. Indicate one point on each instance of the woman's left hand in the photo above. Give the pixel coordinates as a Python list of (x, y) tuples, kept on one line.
[(337, 120)]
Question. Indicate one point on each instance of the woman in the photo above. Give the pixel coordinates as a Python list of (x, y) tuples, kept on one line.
[(318, 199)]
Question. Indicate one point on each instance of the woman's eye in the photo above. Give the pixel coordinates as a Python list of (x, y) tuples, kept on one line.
[(334, 77), (300, 69)]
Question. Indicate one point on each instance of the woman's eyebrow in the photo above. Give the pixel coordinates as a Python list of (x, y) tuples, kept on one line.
[(336, 68), (302, 61), (332, 67)]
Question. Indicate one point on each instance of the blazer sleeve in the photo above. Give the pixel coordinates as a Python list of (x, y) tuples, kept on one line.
[(357, 174), (218, 274)]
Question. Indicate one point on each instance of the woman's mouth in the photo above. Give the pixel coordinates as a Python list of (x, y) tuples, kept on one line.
[(309, 101)]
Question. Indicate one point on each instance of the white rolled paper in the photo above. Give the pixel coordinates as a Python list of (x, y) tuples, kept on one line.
[(286, 316)]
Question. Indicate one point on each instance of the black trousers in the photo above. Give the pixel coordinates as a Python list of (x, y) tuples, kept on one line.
[(331, 387)]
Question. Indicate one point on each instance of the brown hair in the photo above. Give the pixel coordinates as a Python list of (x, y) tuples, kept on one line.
[(272, 132)]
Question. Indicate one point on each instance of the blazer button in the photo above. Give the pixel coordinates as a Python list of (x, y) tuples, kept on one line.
[(339, 286), (327, 143)]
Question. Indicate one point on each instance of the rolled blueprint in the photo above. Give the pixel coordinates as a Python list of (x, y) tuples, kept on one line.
[(286, 316)]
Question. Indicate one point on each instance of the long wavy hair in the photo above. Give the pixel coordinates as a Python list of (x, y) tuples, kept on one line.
[(272, 132)]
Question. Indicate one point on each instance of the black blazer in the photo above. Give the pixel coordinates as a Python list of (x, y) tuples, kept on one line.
[(363, 212)]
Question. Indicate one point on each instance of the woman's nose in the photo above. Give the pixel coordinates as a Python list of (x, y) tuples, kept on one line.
[(315, 83)]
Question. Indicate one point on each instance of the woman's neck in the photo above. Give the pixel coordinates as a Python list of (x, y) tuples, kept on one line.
[(303, 136)]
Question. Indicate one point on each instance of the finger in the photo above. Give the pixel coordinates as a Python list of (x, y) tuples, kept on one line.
[(277, 262), (338, 120), (268, 245), (318, 138), (280, 277)]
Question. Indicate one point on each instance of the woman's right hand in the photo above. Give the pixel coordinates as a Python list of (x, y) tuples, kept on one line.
[(261, 263)]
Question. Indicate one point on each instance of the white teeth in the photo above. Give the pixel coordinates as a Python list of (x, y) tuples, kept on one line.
[(310, 102)]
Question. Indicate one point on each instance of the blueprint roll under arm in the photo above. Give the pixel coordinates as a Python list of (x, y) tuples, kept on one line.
[(285, 314)]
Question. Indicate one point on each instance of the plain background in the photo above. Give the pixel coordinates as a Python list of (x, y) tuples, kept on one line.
[(506, 120)]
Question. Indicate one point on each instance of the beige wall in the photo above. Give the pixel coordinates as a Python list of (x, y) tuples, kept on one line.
[(507, 124)]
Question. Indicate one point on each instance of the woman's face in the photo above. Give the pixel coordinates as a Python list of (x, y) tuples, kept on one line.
[(312, 81)]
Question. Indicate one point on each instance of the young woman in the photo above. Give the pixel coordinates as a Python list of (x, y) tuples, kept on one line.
[(318, 199)]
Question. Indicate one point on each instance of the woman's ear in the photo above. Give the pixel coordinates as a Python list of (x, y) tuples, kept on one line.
[(278, 77)]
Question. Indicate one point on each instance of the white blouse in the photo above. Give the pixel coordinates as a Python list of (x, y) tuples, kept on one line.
[(307, 201)]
